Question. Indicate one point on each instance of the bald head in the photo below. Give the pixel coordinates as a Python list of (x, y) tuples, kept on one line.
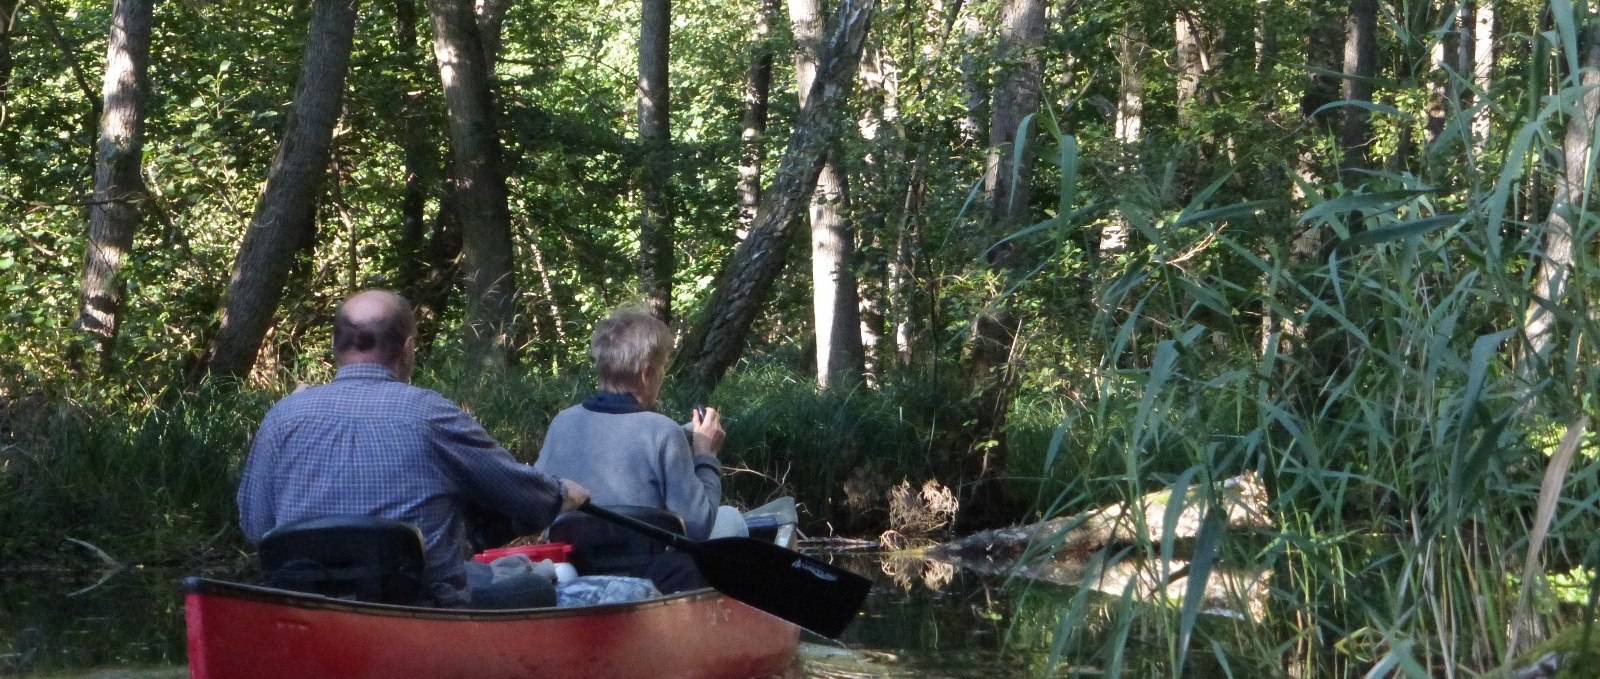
[(375, 326)]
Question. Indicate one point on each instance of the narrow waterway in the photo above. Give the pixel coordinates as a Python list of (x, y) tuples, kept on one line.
[(922, 619)]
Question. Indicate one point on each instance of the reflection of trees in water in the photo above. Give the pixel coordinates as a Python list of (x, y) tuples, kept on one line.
[(907, 569)]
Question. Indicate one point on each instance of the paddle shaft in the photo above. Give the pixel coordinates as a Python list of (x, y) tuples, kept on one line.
[(656, 532)]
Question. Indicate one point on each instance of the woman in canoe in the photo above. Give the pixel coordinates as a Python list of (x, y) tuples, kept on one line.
[(627, 454)]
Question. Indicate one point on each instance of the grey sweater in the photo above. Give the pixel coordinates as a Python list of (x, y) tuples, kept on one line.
[(639, 458)]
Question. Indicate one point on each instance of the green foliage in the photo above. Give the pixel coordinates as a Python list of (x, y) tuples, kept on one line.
[(837, 452), (148, 476), (1352, 338)]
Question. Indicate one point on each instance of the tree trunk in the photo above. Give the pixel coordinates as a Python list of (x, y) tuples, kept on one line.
[(1015, 97), (428, 253), (974, 83), (1322, 52), (902, 267), (757, 92), (1190, 63), (479, 195), (880, 173), (1482, 68), (1131, 51), (417, 157), (718, 336), (655, 134), (8, 17), (1444, 63), (1360, 61), (989, 368), (1266, 36), (285, 218), (835, 300), (114, 215), (1553, 265), (490, 16)]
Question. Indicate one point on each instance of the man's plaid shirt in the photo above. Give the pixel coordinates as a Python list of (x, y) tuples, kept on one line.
[(370, 444)]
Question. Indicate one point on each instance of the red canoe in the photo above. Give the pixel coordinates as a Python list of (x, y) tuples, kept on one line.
[(247, 632)]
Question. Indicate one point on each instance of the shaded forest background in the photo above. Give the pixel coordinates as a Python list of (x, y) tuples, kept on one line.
[(1060, 254)]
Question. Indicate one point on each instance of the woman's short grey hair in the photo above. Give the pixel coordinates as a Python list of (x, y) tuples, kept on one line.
[(624, 343)]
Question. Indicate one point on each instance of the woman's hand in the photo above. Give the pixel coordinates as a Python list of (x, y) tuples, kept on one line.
[(706, 427)]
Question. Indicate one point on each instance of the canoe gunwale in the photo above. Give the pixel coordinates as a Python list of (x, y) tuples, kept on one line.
[(283, 597)]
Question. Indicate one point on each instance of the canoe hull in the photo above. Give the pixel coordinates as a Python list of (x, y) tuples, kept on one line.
[(244, 632)]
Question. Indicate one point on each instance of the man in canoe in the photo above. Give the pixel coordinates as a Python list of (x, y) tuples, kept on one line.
[(369, 443), (627, 454)]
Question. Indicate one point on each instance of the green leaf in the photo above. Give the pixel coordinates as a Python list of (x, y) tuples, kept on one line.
[(1466, 467), (1225, 212), (1370, 106), (1206, 297), (1567, 27), (1401, 230), (1382, 201), (1194, 592)]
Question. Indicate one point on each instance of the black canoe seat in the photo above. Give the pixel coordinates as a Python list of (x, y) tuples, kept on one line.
[(600, 547), (363, 558)]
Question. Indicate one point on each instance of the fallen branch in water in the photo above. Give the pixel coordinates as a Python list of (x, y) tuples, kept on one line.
[(1075, 537), (836, 543), (113, 566)]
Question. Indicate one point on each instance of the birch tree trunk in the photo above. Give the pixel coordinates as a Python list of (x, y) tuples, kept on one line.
[(1129, 127), (1266, 36), (902, 267), (1482, 67), (885, 157), (835, 301), (285, 217), (114, 216), (1553, 264), (718, 335), (757, 93), (1444, 63), (655, 135), (1186, 32), (479, 196)]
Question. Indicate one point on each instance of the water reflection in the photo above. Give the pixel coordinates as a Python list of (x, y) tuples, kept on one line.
[(132, 620), (930, 619)]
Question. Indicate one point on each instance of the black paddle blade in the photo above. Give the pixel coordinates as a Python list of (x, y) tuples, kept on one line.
[(815, 595)]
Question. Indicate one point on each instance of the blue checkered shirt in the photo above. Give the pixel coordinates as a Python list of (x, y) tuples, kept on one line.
[(370, 444)]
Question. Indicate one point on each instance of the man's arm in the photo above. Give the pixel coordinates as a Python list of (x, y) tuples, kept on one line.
[(487, 475)]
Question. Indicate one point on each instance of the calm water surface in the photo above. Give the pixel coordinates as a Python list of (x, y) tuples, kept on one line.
[(921, 620)]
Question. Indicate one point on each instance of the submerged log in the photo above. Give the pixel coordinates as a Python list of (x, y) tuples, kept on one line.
[(1087, 549), (1075, 538)]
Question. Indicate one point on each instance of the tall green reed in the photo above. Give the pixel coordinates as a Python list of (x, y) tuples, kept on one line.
[(1378, 390)]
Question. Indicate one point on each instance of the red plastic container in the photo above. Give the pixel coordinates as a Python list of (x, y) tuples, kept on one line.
[(554, 551)]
